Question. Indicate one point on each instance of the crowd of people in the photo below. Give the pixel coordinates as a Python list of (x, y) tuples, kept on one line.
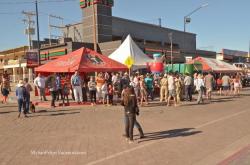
[(131, 91), (107, 88)]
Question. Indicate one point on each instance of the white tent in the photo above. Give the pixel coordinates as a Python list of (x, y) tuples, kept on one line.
[(131, 55)]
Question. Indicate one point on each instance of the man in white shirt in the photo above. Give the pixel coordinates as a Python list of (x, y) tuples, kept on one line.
[(188, 87), (76, 83), (40, 84)]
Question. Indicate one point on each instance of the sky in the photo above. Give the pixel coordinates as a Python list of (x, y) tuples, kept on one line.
[(221, 24)]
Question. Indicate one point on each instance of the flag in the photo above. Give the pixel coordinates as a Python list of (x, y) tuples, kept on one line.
[(129, 62)]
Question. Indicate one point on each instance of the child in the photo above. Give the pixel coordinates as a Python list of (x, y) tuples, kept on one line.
[(92, 90), (65, 93), (32, 107), (110, 94), (104, 92), (5, 92)]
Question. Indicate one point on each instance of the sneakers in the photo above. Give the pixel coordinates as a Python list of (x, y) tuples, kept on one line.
[(130, 141)]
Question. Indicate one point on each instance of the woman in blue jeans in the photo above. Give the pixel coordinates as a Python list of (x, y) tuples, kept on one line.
[(21, 97), (131, 110)]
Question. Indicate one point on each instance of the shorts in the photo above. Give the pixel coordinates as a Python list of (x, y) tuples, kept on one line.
[(143, 92), (226, 88), (110, 97), (172, 92), (209, 89), (105, 96)]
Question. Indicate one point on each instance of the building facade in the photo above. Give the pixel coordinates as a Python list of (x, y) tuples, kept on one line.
[(14, 62), (232, 56), (109, 32)]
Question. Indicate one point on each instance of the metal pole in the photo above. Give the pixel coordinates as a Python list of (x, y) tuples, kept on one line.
[(159, 21), (49, 30), (171, 52), (94, 29), (38, 37), (184, 24), (202, 6)]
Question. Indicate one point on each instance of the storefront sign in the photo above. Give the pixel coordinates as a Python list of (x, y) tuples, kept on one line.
[(32, 59)]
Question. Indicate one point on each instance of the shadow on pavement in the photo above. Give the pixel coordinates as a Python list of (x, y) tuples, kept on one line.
[(219, 100), (55, 114), (8, 106), (183, 132), (49, 111), (155, 104), (7, 112)]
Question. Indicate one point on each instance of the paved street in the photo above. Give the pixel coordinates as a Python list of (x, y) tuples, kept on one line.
[(209, 134)]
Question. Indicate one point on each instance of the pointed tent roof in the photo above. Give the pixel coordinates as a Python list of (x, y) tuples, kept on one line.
[(84, 60), (130, 54), (210, 64)]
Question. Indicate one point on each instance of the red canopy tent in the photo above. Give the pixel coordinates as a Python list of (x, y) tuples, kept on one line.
[(210, 64), (83, 60)]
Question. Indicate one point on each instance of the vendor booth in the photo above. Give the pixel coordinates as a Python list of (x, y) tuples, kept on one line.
[(84, 60), (131, 55), (213, 65)]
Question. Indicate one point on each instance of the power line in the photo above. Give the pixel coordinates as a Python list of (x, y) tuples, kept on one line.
[(9, 13), (32, 2)]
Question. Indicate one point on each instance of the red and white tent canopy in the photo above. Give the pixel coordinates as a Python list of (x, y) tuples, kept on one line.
[(210, 64), (83, 60)]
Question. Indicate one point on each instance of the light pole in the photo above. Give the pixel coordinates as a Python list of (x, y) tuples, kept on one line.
[(38, 36), (187, 18), (170, 35)]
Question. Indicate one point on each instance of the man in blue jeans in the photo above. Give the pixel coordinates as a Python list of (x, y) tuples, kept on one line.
[(21, 97)]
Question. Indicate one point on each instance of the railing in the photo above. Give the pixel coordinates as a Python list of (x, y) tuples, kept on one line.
[(15, 62), (16, 78)]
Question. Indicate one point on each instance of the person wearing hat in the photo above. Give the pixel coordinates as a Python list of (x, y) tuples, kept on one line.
[(164, 88), (21, 97)]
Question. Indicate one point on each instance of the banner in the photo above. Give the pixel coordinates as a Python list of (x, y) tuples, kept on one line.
[(32, 59)]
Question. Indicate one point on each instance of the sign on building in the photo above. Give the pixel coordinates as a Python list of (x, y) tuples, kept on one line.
[(32, 59), (87, 3)]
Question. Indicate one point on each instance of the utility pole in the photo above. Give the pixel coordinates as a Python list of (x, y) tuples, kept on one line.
[(94, 29), (159, 19), (54, 26), (248, 57), (30, 30), (170, 35), (38, 36)]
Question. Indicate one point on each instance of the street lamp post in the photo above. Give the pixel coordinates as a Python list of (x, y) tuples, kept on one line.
[(38, 36), (187, 18), (170, 35)]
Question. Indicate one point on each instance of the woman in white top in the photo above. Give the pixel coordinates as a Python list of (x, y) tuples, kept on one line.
[(237, 85)]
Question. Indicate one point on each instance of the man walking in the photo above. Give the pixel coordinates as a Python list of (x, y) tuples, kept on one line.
[(28, 88), (149, 84), (209, 83), (40, 84), (21, 98), (76, 83), (164, 88), (171, 89), (188, 87), (226, 84)]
